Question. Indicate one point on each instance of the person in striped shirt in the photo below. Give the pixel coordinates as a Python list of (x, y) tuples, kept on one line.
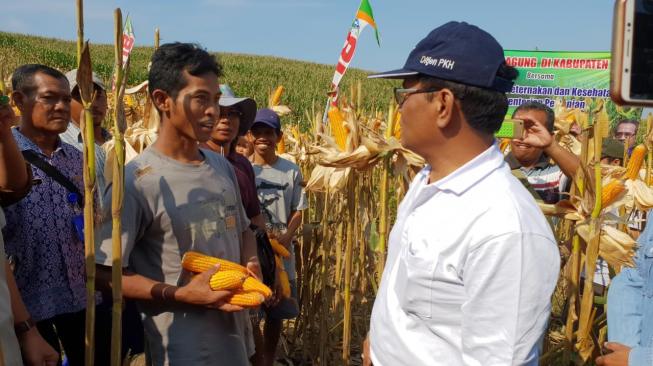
[(532, 154)]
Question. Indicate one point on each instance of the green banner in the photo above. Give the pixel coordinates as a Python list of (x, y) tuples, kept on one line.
[(548, 76)]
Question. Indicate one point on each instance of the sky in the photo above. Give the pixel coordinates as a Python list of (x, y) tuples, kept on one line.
[(314, 30)]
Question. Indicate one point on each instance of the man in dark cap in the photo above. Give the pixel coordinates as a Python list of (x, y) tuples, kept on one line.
[(472, 262)]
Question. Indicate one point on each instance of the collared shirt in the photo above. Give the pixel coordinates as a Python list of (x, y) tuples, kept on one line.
[(546, 179), (471, 267), (40, 234), (630, 304), (73, 136)]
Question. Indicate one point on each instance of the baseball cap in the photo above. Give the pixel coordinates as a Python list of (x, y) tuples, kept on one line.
[(459, 52), (246, 106), (267, 117), (72, 80)]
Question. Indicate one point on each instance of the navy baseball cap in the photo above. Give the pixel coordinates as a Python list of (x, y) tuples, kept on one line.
[(459, 52), (267, 117)]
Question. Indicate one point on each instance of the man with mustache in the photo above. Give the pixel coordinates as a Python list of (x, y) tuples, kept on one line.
[(532, 153), (180, 197)]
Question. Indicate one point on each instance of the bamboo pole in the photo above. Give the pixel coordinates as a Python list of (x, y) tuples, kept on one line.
[(324, 316), (351, 208), (85, 83), (117, 192), (649, 153)]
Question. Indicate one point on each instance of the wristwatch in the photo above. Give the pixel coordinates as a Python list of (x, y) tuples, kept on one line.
[(24, 326)]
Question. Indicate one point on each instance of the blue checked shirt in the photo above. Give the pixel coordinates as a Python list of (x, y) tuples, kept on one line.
[(40, 235), (73, 136), (630, 304)]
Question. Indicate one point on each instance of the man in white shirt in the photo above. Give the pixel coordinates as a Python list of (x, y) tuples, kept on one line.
[(472, 262)]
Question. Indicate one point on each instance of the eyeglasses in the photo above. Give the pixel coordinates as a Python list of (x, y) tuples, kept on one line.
[(229, 113), (402, 94)]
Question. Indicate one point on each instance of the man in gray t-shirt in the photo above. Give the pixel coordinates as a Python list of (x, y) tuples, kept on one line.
[(179, 198)]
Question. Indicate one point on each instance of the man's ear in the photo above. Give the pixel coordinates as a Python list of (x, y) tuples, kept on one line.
[(443, 104), (161, 100), (19, 99)]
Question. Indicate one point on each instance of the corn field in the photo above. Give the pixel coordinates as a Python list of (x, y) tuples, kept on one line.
[(356, 172)]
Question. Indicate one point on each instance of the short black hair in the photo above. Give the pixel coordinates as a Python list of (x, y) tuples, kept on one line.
[(633, 121), (484, 109), (22, 79), (537, 106), (171, 60)]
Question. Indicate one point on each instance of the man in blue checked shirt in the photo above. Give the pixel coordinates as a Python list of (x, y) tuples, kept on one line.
[(630, 310)]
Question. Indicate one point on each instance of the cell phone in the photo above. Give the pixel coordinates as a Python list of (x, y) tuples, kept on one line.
[(510, 129), (631, 73)]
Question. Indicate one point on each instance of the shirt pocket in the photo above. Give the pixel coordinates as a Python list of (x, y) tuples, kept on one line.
[(210, 220), (646, 270), (416, 277)]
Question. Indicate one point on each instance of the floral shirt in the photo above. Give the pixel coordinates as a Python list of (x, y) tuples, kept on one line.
[(40, 236)]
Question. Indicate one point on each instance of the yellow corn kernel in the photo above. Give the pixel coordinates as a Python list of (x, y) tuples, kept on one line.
[(611, 191), (198, 262), (227, 280), (252, 284), (635, 162), (338, 131), (279, 249), (246, 299)]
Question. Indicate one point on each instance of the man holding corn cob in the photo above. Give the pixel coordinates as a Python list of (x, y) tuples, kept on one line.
[(471, 262), (177, 198)]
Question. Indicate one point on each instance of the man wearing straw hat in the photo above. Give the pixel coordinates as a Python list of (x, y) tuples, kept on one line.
[(472, 262)]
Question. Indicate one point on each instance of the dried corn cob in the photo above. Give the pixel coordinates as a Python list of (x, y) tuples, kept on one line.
[(246, 299), (198, 262), (279, 248), (227, 280), (611, 191), (635, 162), (252, 284), (338, 131)]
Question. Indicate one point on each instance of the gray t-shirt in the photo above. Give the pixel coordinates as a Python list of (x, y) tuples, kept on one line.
[(280, 192), (169, 208), (8, 343)]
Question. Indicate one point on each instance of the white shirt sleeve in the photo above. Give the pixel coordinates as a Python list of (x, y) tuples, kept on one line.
[(509, 290)]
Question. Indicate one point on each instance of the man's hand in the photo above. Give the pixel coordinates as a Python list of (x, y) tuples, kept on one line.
[(198, 292), (618, 357), (36, 351), (367, 360), (7, 117), (285, 239), (254, 268), (536, 134)]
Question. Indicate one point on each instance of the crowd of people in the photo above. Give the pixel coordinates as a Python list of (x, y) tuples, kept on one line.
[(472, 261)]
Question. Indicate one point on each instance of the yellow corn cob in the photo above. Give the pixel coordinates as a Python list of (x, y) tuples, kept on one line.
[(635, 162), (277, 260), (397, 126), (281, 146), (276, 96), (611, 191), (338, 131), (227, 280), (503, 145), (279, 248), (246, 299), (198, 262), (252, 284), (285, 284)]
